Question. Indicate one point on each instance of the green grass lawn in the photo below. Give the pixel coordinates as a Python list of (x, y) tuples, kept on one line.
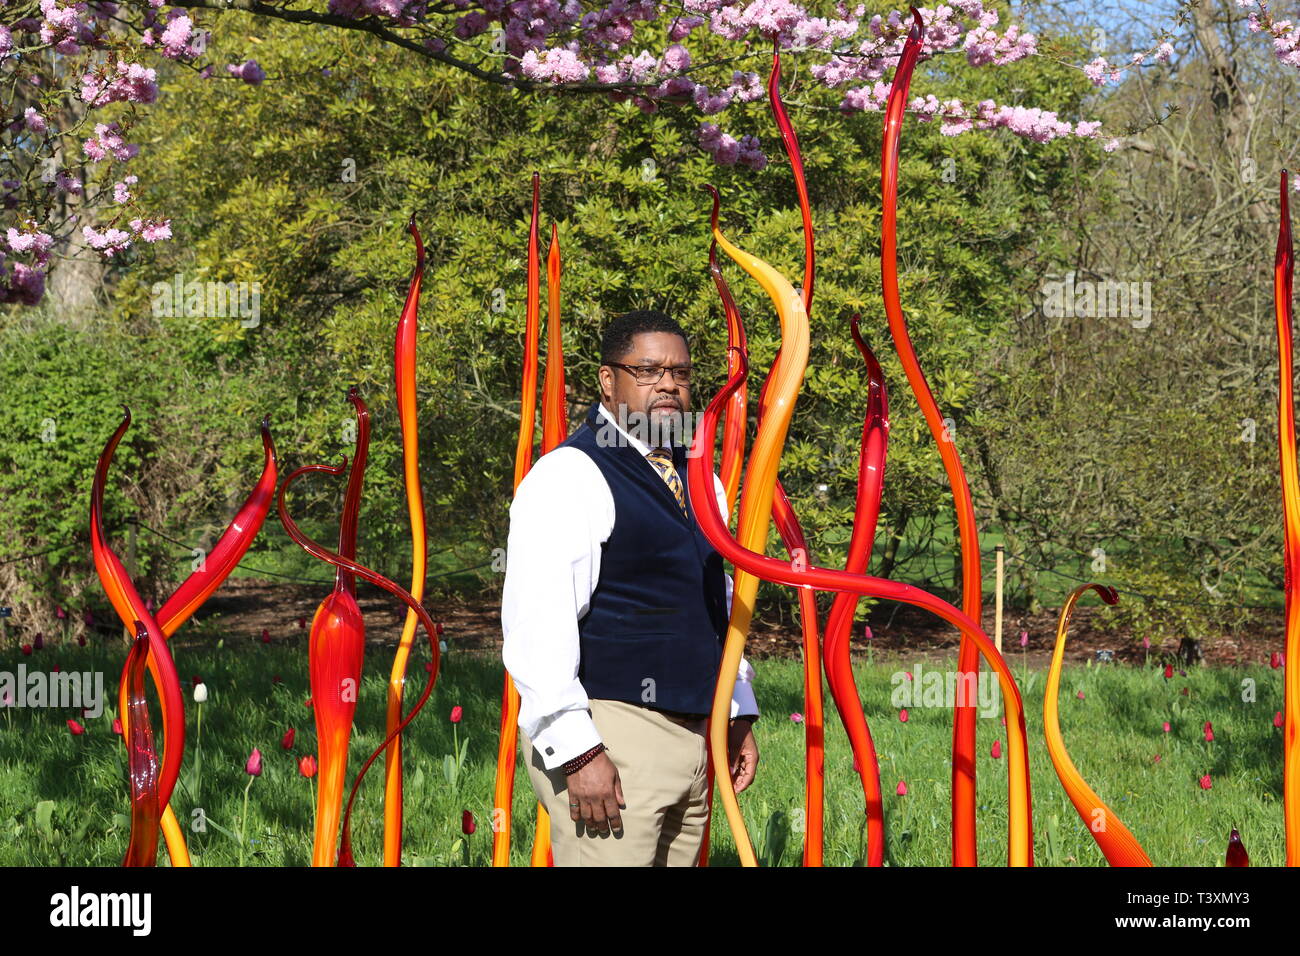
[(63, 798)]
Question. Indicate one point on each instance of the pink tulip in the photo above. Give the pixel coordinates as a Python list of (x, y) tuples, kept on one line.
[(1165, 726), (117, 726), (254, 766), (1024, 638), (902, 715), (1079, 695), (1277, 719), (997, 749), (60, 613), (456, 713), (866, 632), (1209, 735), (1146, 643), (902, 789), (1205, 782), (796, 718), (1156, 759)]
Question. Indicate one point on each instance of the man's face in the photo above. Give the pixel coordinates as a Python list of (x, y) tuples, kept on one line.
[(664, 402)]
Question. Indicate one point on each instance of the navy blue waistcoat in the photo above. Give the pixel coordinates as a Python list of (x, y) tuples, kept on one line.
[(654, 630)]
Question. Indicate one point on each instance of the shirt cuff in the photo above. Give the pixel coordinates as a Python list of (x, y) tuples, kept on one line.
[(569, 735), (743, 702)]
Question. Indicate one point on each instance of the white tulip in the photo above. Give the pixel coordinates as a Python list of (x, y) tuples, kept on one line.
[(200, 693)]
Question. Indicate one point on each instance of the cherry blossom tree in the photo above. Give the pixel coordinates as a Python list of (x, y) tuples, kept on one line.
[(77, 77)]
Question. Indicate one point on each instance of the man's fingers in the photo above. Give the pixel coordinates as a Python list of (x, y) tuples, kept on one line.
[(612, 814), (575, 808), (618, 791)]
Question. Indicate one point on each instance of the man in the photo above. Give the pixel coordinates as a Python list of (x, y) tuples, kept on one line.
[(614, 611)]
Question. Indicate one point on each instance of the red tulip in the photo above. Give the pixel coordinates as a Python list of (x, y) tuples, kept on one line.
[(307, 702), (467, 822), (428, 667), (1205, 782), (307, 766), (89, 618), (275, 679), (1169, 671), (1237, 855), (60, 613), (997, 749), (1156, 758), (1209, 735), (39, 642), (76, 728), (1275, 660), (909, 675), (1165, 726), (81, 639), (1277, 719), (287, 740), (27, 650), (302, 623), (254, 766), (266, 636), (1185, 692), (117, 726), (902, 789), (902, 715), (56, 668), (455, 714)]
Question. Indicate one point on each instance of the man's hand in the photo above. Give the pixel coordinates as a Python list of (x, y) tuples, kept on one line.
[(742, 752), (598, 794)]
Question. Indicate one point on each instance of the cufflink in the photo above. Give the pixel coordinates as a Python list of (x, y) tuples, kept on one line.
[(550, 751)]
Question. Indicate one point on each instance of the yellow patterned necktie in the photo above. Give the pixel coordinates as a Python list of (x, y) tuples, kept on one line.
[(662, 459)]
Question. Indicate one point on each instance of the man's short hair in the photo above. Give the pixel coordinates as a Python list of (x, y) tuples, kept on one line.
[(617, 340)]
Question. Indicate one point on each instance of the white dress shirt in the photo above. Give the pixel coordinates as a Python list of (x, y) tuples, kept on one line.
[(563, 511)]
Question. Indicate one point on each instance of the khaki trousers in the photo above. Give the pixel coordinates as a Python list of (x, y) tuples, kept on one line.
[(662, 766)]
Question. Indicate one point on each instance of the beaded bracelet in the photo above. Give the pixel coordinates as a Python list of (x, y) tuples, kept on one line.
[(580, 761)]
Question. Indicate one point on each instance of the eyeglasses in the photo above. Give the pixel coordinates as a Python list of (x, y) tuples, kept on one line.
[(651, 374)]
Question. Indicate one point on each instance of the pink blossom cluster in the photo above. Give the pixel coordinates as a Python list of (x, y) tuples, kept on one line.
[(402, 12), (107, 142), (1285, 34), (249, 71), (178, 38), (726, 150), (64, 28), (111, 241), (127, 82)]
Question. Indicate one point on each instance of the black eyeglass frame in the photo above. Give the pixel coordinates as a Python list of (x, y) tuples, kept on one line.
[(635, 369)]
